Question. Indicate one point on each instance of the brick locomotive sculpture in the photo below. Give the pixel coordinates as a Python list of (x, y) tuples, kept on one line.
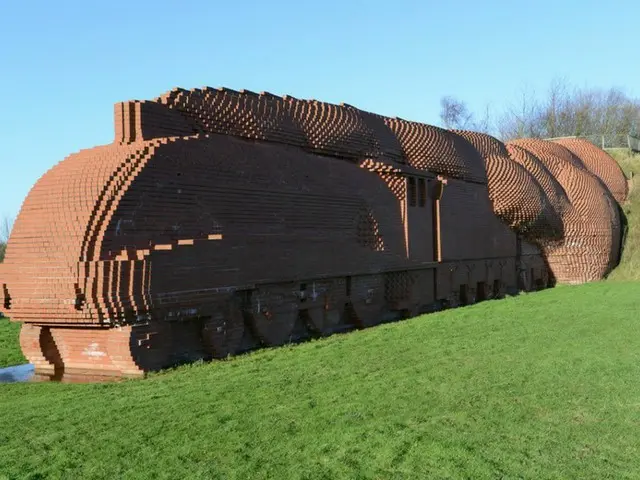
[(219, 221)]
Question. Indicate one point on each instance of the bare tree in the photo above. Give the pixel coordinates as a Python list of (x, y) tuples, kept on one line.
[(5, 231), (455, 115), (608, 114), (524, 118), (484, 124), (554, 110)]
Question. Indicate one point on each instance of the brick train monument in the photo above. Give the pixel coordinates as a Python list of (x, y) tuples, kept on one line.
[(219, 221)]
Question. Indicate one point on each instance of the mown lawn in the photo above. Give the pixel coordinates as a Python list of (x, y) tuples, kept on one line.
[(10, 353), (545, 385)]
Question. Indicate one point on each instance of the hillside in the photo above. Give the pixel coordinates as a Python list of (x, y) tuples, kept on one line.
[(534, 386), (10, 353), (629, 268), (628, 161)]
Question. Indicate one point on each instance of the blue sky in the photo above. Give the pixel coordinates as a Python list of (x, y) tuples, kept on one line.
[(64, 64)]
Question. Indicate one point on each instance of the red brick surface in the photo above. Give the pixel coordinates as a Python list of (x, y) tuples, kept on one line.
[(517, 197), (590, 244), (219, 220), (600, 163)]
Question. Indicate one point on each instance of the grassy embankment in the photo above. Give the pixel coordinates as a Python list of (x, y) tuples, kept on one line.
[(629, 268), (10, 353), (536, 386)]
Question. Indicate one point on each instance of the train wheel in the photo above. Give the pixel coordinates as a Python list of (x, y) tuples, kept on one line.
[(324, 319), (223, 330), (413, 311), (151, 345), (453, 299), (141, 348), (499, 290), (468, 295), (545, 281), (482, 291), (273, 314), (367, 314)]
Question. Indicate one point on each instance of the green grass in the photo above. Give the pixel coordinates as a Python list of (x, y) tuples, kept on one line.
[(537, 386), (544, 385), (629, 268), (628, 161), (10, 353)]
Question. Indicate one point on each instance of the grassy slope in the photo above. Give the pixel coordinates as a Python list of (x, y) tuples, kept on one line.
[(482, 391), (629, 268), (10, 353), (538, 386), (629, 161)]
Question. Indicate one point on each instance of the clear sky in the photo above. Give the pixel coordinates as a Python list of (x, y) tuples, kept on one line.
[(63, 64)]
